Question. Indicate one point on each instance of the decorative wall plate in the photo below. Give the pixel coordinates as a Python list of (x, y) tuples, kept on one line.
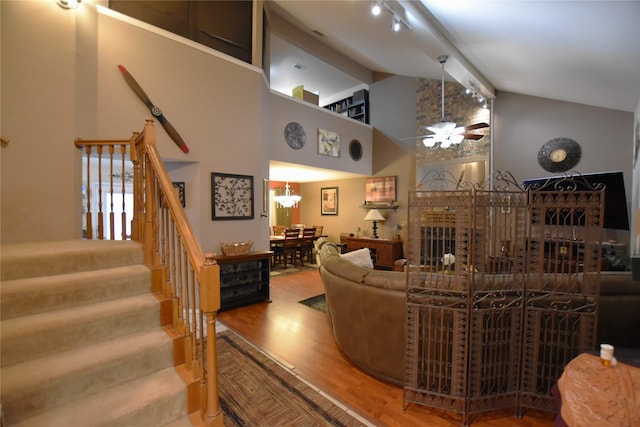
[(559, 155), (294, 135), (355, 149)]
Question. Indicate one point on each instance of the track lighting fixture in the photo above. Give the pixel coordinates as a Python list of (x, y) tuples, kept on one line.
[(475, 94), (397, 12), (68, 4)]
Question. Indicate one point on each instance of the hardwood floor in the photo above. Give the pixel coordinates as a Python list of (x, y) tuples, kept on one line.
[(301, 337)]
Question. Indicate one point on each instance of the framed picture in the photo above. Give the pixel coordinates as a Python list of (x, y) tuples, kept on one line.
[(265, 196), (231, 196), (380, 189), (328, 143), (329, 201), (179, 187)]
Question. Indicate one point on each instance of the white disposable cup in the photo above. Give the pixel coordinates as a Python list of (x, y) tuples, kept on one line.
[(606, 354)]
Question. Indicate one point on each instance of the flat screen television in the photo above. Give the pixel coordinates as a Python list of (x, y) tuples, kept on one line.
[(615, 198)]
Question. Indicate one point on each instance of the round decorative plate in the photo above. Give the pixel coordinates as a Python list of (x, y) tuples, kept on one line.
[(294, 135), (355, 149), (559, 155)]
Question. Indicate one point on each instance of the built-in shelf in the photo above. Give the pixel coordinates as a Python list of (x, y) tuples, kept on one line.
[(386, 206), (355, 107)]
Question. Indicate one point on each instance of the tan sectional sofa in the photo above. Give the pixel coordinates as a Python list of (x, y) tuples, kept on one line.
[(367, 312)]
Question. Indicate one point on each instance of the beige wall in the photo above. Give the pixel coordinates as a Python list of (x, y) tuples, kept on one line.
[(351, 195), (522, 124), (40, 167), (60, 81), (284, 109)]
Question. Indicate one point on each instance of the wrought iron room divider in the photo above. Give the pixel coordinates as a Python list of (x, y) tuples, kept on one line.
[(502, 288)]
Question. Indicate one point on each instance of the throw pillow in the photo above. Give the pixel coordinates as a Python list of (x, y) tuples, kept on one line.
[(361, 257)]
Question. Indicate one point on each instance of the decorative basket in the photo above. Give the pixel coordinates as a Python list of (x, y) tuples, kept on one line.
[(236, 248)]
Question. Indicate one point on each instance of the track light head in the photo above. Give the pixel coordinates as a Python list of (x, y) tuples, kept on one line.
[(376, 9), (395, 25)]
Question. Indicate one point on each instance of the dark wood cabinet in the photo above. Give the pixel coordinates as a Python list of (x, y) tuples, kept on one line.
[(224, 25), (383, 252), (244, 279)]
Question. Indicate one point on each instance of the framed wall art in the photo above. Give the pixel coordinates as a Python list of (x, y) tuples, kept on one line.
[(179, 188), (231, 196), (380, 189), (328, 143), (329, 201), (265, 196)]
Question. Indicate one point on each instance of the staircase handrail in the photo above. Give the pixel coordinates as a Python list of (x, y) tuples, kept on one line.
[(189, 287)]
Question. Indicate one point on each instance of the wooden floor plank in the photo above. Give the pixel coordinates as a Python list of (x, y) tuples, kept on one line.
[(301, 337)]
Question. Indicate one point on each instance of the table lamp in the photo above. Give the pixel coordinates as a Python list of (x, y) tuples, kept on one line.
[(375, 216)]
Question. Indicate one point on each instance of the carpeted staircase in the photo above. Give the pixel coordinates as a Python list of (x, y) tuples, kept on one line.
[(81, 342)]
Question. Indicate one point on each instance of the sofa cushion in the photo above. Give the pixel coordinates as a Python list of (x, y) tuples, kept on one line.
[(361, 257), (618, 283), (345, 269), (392, 280)]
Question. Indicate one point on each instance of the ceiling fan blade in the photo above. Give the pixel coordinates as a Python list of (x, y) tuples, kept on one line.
[(472, 136), (475, 126), (416, 137)]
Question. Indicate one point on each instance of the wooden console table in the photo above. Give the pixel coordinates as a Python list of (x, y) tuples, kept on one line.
[(384, 252), (244, 279)]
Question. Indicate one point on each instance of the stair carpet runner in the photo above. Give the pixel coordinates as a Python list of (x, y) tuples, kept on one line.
[(81, 341)]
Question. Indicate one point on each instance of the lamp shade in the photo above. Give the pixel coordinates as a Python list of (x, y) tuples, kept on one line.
[(374, 215)]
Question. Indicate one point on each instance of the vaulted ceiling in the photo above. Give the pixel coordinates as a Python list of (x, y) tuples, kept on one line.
[(579, 51)]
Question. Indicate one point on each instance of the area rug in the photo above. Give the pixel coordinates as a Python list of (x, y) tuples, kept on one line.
[(319, 302), (256, 390), (279, 271)]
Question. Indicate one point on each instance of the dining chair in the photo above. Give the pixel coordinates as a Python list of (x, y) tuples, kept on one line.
[(318, 230), (305, 246), (278, 230), (288, 249)]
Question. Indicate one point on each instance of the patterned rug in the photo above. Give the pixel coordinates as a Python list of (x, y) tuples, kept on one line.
[(256, 390), (319, 302), (278, 270)]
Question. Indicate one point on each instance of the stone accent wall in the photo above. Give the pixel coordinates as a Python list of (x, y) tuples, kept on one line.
[(459, 108)]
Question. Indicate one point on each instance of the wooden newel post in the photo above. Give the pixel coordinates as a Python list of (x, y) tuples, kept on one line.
[(210, 304)]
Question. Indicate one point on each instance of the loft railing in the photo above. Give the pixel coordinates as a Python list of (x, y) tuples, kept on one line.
[(127, 194)]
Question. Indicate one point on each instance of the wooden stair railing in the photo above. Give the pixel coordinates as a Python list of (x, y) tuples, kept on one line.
[(186, 280)]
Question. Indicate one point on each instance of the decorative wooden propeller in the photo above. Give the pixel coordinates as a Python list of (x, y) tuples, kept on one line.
[(155, 111)]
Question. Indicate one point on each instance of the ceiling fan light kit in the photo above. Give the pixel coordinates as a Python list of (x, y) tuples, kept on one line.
[(447, 134)]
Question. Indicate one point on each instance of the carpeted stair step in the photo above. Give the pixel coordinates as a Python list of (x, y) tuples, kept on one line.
[(37, 259), (29, 337), (155, 400), (28, 296), (44, 384)]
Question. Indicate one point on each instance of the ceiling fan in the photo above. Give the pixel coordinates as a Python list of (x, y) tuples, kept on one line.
[(446, 133)]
